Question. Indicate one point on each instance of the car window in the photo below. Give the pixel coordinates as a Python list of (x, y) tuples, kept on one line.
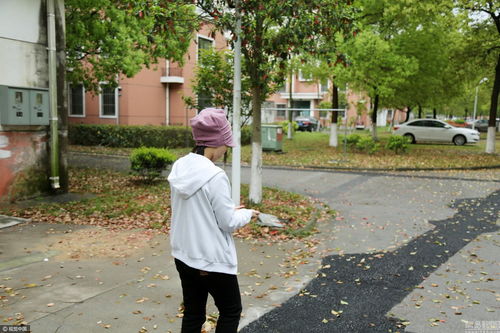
[(419, 123), (437, 124)]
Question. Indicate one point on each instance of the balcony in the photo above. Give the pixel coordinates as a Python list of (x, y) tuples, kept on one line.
[(172, 75)]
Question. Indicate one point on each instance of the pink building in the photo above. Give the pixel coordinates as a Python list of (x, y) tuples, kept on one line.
[(152, 97)]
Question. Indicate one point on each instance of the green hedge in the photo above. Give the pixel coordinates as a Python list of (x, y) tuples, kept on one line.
[(137, 136), (150, 162)]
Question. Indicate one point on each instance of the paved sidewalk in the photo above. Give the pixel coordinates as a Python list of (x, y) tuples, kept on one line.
[(57, 292)]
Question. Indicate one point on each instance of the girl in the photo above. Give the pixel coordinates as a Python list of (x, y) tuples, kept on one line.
[(203, 219)]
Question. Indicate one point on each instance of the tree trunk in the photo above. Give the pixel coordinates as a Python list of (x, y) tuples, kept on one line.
[(408, 114), (256, 164), (434, 113), (419, 111), (374, 117), (490, 139), (335, 116), (466, 113)]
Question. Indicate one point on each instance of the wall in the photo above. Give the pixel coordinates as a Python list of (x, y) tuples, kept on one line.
[(24, 168)]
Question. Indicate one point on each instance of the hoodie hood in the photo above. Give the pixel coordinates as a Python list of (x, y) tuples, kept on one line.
[(190, 173)]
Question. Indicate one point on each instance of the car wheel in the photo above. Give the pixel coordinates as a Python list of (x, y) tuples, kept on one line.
[(410, 137), (459, 140)]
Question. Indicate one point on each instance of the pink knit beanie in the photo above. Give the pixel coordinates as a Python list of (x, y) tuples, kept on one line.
[(211, 129)]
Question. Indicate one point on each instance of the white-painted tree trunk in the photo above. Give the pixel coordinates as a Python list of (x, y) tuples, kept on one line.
[(333, 135), (490, 140), (374, 132), (256, 173)]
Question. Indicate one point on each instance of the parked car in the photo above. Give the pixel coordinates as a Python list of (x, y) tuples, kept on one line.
[(481, 125), (307, 123), (432, 130)]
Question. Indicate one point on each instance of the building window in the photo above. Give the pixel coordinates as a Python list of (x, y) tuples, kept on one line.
[(77, 100), (204, 43), (324, 86), (304, 76), (282, 88), (109, 102), (281, 113), (204, 101)]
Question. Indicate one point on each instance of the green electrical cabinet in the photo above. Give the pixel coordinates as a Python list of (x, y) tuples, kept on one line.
[(24, 106), (272, 137)]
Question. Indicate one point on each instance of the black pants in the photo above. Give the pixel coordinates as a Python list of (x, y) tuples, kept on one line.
[(224, 288)]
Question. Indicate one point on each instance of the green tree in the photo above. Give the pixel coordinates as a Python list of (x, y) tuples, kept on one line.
[(273, 31), (432, 45), (214, 77), (483, 45), (376, 68), (108, 38)]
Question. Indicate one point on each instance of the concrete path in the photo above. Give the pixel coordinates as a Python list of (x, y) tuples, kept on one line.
[(437, 231), (419, 247)]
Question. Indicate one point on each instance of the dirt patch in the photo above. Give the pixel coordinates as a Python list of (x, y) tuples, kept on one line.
[(98, 243)]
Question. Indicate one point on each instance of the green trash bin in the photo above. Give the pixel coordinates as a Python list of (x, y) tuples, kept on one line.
[(272, 137)]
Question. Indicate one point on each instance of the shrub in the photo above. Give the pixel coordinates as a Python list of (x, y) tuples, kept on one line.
[(150, 162), (125, 136), (367, 145), (352, 140), (246, 135), (130, 136), (397, 143), (284, 125)]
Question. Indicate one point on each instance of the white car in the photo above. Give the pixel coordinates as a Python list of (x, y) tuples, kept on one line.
[(432, 130)]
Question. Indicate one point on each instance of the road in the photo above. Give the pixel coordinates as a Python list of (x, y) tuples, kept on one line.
[(416, 250)]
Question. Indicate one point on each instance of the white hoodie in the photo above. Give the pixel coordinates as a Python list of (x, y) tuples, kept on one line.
[(203, 215)]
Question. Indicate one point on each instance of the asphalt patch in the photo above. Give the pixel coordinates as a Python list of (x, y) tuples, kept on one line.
[(362, 288)]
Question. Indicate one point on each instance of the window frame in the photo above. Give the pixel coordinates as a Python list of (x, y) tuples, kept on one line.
[(70, 102), (101, 104), (321, 85), (281, 106), (198, 37), (302, 78)]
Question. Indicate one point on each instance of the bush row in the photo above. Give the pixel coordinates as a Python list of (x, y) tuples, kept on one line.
[(137, 136), (398, 144)]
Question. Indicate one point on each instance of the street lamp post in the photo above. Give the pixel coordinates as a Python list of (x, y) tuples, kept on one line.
[(236, 161), (475, 102)]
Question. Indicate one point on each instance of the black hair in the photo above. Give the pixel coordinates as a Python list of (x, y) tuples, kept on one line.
[(200, 150)]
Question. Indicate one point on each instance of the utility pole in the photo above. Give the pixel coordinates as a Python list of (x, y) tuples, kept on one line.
[(236, 158)]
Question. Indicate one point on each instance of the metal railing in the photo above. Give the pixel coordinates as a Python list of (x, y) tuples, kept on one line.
[(172, 71)]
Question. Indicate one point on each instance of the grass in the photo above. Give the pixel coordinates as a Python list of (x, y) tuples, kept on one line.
[(123, 202), (312, 149)]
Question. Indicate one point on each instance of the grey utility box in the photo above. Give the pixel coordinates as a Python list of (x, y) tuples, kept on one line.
[(272, 137), (39, 113), (23, 106)]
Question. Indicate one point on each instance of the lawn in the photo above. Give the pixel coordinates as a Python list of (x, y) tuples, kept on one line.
[(312, 149), (123, 202)]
